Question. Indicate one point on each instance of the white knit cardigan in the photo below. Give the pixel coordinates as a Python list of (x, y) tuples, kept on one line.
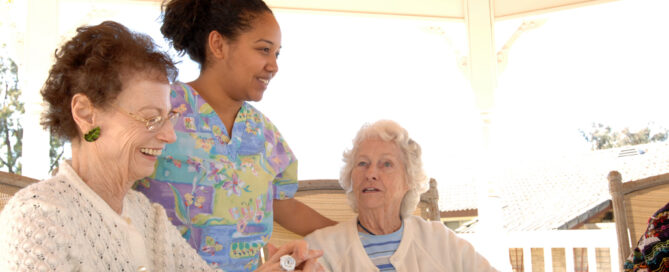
[(425, 246), (60, 224)]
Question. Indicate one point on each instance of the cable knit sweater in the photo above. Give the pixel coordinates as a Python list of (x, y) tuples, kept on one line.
[(60, 224)]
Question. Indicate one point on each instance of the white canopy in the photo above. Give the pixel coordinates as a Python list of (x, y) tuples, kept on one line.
[(447, 9)]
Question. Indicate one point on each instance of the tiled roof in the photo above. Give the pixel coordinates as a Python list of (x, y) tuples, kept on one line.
[(457, 195), (552, 194)]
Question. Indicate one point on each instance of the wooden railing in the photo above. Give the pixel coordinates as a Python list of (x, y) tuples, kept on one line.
[(566, 239)]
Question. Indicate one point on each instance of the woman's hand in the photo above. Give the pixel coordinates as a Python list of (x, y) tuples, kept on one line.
[(305, 259)]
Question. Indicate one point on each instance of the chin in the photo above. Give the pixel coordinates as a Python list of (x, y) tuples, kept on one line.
[(138, 174), (370, 204), (256, 98), (256, 95), (142, 171)]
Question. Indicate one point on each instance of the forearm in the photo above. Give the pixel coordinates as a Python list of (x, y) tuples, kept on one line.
[(299, 218)]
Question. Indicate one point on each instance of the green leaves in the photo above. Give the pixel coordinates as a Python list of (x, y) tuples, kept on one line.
[(603, 137), (11, 111)]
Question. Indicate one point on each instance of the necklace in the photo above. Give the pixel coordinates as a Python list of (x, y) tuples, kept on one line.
[(363, 227)]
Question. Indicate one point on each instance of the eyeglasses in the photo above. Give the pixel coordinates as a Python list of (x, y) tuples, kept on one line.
[(153, 123)]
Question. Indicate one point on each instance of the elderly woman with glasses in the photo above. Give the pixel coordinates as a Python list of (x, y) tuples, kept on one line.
[(383, 179), (108, 94)]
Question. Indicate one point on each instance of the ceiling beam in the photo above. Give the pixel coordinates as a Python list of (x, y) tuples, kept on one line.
[(510, 9), (436, 9), (450, 10)]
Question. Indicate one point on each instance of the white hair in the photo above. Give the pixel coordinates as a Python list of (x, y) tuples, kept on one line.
[(415, 177)]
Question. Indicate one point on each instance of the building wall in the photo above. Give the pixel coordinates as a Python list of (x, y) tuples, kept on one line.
[(559, 260), (603, 259), (537, 260)]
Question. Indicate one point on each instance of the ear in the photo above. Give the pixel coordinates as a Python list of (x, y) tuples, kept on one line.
[(83, 112), (218, 45)]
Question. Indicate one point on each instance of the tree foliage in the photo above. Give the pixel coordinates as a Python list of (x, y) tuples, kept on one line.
[(11, 110), (56, 151), (602, 136)]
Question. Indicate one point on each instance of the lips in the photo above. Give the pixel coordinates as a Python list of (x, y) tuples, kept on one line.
[(370, 190), (151, 151)]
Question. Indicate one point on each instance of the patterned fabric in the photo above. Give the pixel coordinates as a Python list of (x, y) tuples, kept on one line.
[(379, 248), (218, 190), (61, 224), (652, 251)]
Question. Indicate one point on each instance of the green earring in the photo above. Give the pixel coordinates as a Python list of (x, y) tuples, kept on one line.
[(92, 135)]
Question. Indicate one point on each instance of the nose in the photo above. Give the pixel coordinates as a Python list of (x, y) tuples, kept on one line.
[(371, 173), (166, 133), (272, 65)]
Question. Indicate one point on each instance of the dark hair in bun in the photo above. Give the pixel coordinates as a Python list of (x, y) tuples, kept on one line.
[(187, 23)]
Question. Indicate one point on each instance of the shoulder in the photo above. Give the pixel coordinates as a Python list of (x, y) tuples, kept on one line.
[(45, 196), (337, 243), (180, 87), (45, 204), (433, 232), (36, 217), (181, 93), (330, 237), (420, 223), (259, 118), (270, 129), (447, 248), (255, 114)]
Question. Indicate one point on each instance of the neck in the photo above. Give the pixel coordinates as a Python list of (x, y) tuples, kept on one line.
[(107, 182), (379, 223), (213, 93)]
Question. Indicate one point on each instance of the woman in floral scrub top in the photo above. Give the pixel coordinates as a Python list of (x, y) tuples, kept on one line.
[(230, 173)]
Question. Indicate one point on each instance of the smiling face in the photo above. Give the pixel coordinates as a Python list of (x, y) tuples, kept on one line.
[(252, 61), (125, 143), (379, 178)]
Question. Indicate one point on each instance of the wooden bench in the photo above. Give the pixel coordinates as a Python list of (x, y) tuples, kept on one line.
[(10, 184), (634, 202)]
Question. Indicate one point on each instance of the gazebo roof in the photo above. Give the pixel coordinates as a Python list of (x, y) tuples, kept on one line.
[(563, 192), (456, 10)]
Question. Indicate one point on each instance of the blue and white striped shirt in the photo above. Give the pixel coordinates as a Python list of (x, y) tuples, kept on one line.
[(379, 248)]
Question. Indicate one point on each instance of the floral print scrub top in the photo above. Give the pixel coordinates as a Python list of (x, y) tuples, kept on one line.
[(218, 190)]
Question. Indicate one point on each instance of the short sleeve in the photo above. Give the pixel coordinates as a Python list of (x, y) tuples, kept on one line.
[(285, 183), (284, 162)]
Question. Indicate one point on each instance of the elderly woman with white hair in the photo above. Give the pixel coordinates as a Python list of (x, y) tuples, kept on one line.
[(383, 178)]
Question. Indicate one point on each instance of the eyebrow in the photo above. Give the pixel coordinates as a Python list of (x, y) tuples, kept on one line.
[(383, 155), (160, 110), (267, 41)]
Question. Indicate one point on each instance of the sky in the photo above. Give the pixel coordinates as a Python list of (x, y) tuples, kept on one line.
[(605, 63)]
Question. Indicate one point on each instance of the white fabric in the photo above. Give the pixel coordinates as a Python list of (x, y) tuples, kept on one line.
[(425, 246), (60, 224)]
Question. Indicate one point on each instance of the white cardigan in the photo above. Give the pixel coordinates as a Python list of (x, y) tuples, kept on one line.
[(425, 246), (60, 224)]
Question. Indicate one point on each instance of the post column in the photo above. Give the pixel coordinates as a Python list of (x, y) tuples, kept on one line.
[(482, 63), (41, 39)]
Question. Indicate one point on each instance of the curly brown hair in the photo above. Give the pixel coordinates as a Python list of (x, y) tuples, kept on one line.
[(94, 63)]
